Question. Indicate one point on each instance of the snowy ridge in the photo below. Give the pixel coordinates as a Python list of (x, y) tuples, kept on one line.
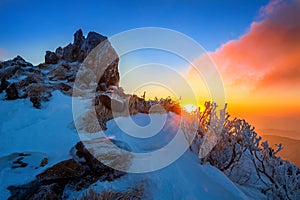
[(183, 179)]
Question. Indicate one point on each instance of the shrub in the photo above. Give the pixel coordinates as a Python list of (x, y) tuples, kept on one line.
[(233, 146)]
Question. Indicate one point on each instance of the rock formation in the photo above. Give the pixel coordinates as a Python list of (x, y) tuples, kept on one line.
[(77, 51), (74, 174), (20, 79), (87, 64)]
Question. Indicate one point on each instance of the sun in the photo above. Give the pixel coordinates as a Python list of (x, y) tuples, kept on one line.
[(190, 108)]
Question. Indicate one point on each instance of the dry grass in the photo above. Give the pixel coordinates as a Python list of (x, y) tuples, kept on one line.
[(108, 194)]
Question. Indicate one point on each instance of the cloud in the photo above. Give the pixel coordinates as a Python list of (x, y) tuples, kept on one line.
[(268, 55)]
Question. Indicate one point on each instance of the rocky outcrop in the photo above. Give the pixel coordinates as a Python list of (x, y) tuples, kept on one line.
[(17, 61), (51, 58), (20, 79), (77, 51), (100, 161), (74, 174), (64, 170)]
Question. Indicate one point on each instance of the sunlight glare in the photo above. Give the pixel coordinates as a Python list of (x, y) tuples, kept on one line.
[(190, 108)]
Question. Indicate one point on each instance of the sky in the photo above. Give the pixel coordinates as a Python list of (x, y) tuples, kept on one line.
[(254, 44), (261, 70), (30, 27)]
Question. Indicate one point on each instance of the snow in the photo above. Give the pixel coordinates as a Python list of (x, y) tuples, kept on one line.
[(43, 133), (49, 133), (183, 179)]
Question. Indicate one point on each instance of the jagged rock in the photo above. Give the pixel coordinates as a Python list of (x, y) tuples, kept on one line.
[(13, 67), (51, 58), (79, 40), (80, 48), (68, 53), (59, 52), (19, 61), (64, 170), (92, 40), (4, 84), (12, 92)]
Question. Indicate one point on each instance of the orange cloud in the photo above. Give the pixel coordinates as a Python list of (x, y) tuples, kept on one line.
[(261, 69), (269, 54)]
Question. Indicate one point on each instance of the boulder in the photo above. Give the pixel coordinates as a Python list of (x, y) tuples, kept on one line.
[(12, 92), (51, 58), (38, 93), (94, 154), (64, 170)]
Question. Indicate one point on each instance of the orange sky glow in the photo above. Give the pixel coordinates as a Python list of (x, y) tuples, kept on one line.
[(261, 70)]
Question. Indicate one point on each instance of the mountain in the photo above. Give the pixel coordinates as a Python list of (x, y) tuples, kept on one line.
[(66, 133)]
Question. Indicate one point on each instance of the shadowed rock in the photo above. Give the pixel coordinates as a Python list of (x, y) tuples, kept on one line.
[(64, 170), (77, 51), (51, 58), (12, 92)]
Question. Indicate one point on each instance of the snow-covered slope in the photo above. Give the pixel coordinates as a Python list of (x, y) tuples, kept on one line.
[(48, 133), (42, 133), (183, 179)]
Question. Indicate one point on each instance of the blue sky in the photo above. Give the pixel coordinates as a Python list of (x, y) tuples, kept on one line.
[(30, 27)]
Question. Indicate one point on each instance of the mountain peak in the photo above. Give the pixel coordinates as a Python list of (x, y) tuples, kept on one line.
[(76, 51)]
